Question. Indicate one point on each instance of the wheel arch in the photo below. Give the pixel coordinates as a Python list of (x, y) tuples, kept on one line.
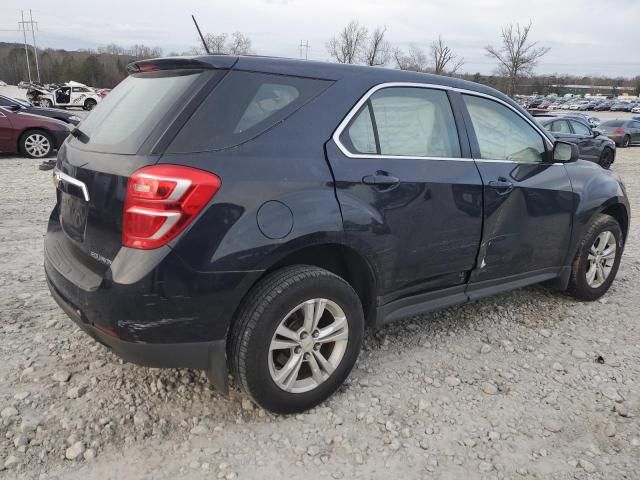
[(337, 258), (620, 213)]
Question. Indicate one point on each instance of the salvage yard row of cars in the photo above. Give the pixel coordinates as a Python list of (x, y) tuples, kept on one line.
[(598, 104)]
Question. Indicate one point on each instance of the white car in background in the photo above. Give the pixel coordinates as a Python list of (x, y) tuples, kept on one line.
[(3, 84), (635, 109), (71, 94)]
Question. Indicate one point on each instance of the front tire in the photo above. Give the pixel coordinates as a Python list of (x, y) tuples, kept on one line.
[(36, 144), (597, 260), (296, 338), (46, 103), (606, 158)]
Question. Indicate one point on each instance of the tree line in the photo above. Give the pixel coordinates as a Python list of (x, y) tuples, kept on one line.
[(516, 55)]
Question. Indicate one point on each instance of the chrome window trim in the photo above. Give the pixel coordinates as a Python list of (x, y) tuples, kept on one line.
[(356, 108), (59, 176)]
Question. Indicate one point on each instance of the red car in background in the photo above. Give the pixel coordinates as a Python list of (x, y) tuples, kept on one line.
[(28, 134)]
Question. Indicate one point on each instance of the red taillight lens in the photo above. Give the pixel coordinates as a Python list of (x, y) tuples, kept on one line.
[(618, 132), (161, 201)]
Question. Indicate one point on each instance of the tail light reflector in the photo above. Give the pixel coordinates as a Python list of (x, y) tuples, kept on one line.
[(618, 132), (161, 201)]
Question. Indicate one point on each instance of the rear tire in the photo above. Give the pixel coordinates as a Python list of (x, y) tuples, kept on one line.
[(260, 358), (89, 104), (606, 158), (36, 144), (597, 261), (626, 142)]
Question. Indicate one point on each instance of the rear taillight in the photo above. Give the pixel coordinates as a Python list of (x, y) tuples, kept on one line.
[(618, 132), (161, 201)]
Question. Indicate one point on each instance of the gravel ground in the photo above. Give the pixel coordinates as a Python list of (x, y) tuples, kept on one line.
[(529, 384)]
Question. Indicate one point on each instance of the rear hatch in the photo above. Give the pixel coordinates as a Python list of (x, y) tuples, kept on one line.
[(125, 132), (612, 127)]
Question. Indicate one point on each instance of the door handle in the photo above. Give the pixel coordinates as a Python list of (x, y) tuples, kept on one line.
[(380, 178), (502, 186)]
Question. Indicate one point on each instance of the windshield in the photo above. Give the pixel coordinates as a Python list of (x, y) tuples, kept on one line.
[(125, 118)]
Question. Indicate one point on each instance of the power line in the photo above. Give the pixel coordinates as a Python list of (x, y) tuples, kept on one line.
[(304, 46), (26, 50), (33, 35)]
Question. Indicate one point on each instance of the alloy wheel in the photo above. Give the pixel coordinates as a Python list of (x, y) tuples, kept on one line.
[(601, 258), (37, 145), (308, 345)]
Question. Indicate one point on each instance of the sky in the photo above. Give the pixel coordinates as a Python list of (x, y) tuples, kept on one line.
[(586, 36)]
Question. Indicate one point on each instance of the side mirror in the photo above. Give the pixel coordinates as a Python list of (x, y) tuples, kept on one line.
[(15, 107), (565, 152), (596, 132)]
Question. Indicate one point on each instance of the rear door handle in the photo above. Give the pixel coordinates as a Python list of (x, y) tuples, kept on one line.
[(502, 186), (380, 179)]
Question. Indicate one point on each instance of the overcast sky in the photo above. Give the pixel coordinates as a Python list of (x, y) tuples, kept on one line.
[(585, 36)]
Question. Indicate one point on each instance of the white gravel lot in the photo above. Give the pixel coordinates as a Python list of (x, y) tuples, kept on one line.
[(529, 384)]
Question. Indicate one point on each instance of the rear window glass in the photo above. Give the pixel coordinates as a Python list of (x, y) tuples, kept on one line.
[(241, 107), (125, 118), (612, 123)]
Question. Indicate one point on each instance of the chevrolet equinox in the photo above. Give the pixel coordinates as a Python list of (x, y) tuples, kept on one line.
[(254, 215)]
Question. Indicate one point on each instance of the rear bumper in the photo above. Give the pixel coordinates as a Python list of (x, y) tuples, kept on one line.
[(618, 139), (209, 356)]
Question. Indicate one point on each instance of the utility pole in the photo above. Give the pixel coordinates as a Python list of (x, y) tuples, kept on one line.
[(26, 50), (34, 25), (304, 46)]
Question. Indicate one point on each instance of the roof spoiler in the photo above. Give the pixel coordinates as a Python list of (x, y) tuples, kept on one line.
[(182, 63)]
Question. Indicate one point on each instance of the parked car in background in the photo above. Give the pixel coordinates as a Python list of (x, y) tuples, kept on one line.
[(635, 109), (32, 135), (624, 132), (23, 84), (71, 94), (3, 84), (604, 106), (103, 92), (593, 145), (175, 241), (593, 122), (619, 107), (25, 106)]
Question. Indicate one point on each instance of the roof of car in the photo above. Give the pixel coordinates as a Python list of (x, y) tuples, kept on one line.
[(325, 70)]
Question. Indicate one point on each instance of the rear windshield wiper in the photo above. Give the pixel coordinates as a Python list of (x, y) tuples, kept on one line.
[(79, 134)]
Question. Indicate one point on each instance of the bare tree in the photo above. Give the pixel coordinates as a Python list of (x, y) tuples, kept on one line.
[(445, 62), (415, 59), (517, 56), (143, 51), (376, 51), (221, 43), (216, 42), (347, 47), (239, 44)]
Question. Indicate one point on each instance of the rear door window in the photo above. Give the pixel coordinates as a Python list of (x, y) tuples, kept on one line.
[(243, 106), (405, 122)]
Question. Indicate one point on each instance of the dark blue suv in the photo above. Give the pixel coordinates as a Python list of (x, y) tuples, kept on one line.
[(255, 215)]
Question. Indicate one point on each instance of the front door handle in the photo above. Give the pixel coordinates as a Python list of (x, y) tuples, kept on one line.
[(502, 186)]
